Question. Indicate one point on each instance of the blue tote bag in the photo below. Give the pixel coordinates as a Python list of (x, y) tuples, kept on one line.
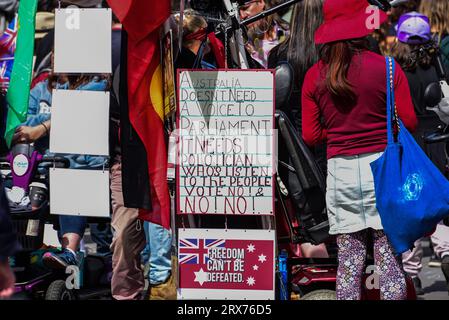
[(412, 195)]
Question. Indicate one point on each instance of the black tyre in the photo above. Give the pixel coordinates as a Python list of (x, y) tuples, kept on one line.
[(320, 295), (58, 291)]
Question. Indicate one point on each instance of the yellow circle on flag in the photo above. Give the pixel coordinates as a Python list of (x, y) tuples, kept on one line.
[(156, 94)]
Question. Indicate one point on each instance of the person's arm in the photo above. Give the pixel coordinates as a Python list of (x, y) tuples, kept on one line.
[(26, 134), (404, 103), (34, 118), (312, 131), (37, 124), (37, 119)]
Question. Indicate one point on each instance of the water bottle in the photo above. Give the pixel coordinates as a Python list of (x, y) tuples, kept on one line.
[(283, 256)]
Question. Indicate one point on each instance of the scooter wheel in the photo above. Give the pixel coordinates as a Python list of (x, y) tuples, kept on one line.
[(58, 291), (319, 295)]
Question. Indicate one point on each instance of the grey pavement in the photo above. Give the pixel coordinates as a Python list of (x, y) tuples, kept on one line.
[(432, 278)]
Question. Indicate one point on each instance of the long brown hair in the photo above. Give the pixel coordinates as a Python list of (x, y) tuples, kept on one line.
[(299, 46), (337, 56), (437, 11), (426, 7), (409, 58)]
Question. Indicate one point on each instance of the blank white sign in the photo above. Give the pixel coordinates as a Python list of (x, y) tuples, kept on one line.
[(80, 122), (83, 41), (79, 192)]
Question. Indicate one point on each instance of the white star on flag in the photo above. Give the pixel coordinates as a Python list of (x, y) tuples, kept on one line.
[(250, 281), (255, 267), (251, 248), (262, 258), (200, 276)]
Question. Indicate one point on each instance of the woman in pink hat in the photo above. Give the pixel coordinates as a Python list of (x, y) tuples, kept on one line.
[(344, 104)]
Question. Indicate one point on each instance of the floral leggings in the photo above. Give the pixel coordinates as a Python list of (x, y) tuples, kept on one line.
[(351, 265)]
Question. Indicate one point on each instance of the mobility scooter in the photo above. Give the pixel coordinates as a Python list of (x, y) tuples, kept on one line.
[(26, 175)]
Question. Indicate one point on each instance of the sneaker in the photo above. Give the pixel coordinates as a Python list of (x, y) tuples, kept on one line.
[(418, 286), (59, 260), (434, 262)]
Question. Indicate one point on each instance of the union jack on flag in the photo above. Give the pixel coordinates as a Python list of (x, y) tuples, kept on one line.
[(195, 251), (7, 49)]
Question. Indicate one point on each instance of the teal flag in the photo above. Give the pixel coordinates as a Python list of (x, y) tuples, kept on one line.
[(22, 70)]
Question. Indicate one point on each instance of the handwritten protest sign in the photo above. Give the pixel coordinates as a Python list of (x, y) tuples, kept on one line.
[(231, 264), (225, 149)]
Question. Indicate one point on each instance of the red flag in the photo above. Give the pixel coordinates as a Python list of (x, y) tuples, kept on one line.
[(142, 19)]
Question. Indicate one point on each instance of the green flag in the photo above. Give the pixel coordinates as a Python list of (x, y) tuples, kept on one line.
[(22, 70)]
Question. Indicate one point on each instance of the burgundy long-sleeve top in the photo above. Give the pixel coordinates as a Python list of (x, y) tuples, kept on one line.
[(362, 127)]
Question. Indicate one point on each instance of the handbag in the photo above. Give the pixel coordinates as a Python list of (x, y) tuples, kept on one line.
[(412, 195)]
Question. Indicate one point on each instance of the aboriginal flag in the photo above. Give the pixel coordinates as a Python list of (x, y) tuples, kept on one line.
[(141, 20)]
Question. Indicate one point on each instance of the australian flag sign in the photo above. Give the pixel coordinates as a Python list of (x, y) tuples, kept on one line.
[(232, 264)]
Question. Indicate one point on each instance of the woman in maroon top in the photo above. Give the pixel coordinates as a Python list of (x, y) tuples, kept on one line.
[(344, 104)]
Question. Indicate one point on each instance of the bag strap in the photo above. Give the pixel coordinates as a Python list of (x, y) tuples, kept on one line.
[(392, 112)]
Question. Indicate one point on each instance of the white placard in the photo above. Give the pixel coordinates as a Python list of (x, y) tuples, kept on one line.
[(226, 264), (79, 192), (80, 122), (225, 153), (83, 41)]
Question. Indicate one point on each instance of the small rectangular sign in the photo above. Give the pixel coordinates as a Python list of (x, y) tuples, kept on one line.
[(79, 192), (83, 41), (80, 122), (226, 264)]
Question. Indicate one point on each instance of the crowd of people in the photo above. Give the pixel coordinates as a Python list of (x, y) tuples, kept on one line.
[(337, 104), (136, 247)]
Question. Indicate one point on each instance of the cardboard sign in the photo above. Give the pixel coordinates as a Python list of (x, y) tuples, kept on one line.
[(80, 122), (226, 264), (79, 192), (225, 149), (83, 41)]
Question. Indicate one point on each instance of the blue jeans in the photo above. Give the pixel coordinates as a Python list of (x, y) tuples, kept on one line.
[(100, 234), (72, 224), (157, 252)]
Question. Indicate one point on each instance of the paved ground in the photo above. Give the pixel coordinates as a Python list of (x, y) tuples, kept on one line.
[(432, 279)]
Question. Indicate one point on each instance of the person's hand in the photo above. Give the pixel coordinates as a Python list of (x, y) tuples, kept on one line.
[(7, 280), (27, 134)]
